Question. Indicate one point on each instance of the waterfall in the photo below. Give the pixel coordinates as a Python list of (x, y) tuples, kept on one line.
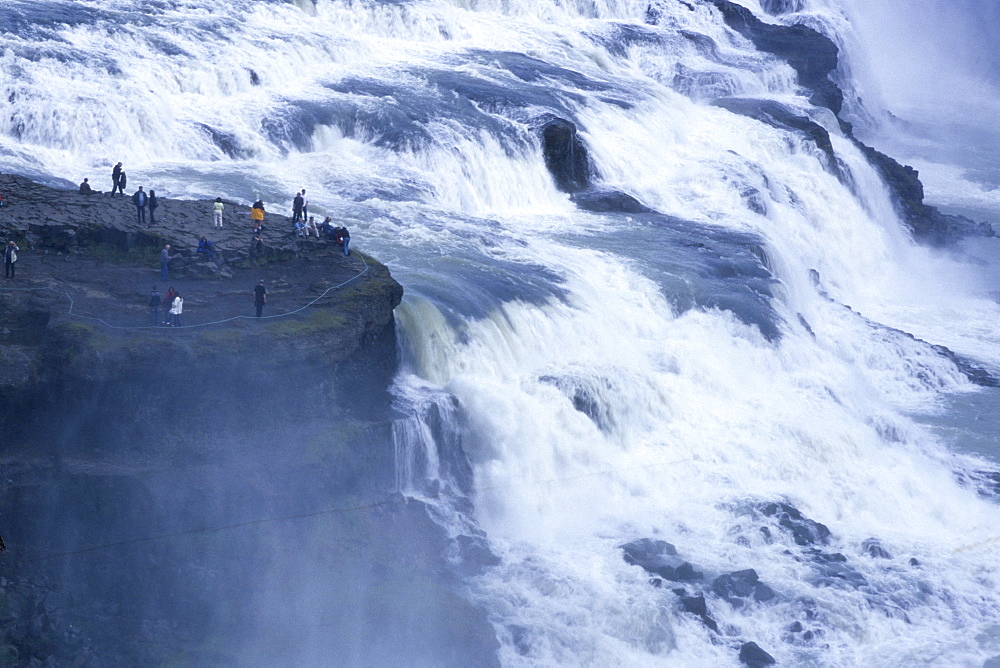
[(740, 342)]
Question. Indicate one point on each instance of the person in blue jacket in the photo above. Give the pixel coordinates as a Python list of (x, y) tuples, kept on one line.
[(140, 199)]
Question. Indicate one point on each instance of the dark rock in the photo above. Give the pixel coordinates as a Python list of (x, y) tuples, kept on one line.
[(754, 200), (833, 570), (475, 554), (796, 627), (811, 54), (914, 562), (608, 201), (659, 558), (778, 7), (804, 531), (739, 587), (697, 606), (565, 155), (873, 548), (752, 655)]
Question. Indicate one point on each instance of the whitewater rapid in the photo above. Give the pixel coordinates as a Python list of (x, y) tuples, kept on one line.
[(612, 376)]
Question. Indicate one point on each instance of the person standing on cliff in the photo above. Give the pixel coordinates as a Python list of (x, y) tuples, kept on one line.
[(116, 177), (10, 259), (305, 204), (165, 262), (259, 297), (257, 213), (140, 199), (153, 203), (342, 237), (177, 309), (297, 208), (217, 208), (168, 301), (154, 306)]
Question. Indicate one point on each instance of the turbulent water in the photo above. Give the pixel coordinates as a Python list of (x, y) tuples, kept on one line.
[(610, 376)]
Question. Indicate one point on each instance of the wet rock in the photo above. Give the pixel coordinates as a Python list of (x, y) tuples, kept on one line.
[(565, 155), (804, 531), (873, 548), (752, 655), (811, 54), (475, 554), (659, 558), (740, 587), (754, 200), (697, 606), (833, 570), (609, 201)]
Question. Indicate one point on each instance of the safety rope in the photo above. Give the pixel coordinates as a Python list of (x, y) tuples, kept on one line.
[(72, 304)]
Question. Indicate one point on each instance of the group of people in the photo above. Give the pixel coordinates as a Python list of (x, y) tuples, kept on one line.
[(172, 304), (143, 201)]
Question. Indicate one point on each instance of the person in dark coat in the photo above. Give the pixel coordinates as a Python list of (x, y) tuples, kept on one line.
[(165, 263), (154, 306), (85, 188), (122, 182), (116, 177), (140, 199), (259, 297), (152, 204), (297, 208), (342, 237)]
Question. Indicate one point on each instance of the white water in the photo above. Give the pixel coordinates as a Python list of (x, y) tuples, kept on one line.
[(509, 286)]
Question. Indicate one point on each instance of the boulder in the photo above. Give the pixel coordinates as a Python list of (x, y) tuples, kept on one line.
[(565, 154), (740, 587), (752, 655), (803, 530), (659, 558), (608, 201), (873, 548)]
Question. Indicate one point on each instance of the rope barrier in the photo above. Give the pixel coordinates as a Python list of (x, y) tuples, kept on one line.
[(72, 304), (965, 548)]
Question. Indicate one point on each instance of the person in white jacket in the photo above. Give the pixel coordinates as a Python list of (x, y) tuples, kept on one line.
[(217, 207), (176, 309)]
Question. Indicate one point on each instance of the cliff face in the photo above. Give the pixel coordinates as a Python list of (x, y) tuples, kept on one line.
[(77, 311), (214, 493)]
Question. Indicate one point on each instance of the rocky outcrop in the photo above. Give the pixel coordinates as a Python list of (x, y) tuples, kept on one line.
[(565, 154), (814, 57), (567, 161), (162, 486), (811, 54)]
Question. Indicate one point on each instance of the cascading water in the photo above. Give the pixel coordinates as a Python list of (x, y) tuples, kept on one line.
[(578, 380)]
